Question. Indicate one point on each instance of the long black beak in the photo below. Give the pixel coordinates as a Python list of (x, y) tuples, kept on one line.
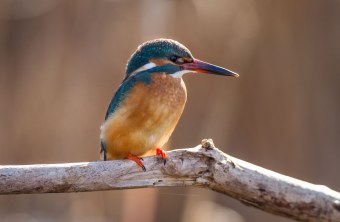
[(204, 67)]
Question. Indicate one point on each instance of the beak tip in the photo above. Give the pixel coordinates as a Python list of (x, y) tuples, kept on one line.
[(232, 74)]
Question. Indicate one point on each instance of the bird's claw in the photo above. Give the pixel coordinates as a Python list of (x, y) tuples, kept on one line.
[(161, 153), (137, 160)]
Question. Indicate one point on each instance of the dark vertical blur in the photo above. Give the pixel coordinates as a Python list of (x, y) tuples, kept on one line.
[(61, 61)]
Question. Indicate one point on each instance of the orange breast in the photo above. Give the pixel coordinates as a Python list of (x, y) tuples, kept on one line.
[(146, 118)]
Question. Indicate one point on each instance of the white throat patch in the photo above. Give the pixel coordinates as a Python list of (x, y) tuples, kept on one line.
[(179, 74)]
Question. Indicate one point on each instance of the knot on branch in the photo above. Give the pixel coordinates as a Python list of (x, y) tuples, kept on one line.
[(208, 144), (189, 163)]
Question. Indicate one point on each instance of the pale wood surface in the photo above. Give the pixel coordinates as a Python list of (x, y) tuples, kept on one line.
[(196, 167)]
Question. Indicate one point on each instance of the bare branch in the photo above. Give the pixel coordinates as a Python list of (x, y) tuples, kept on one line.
[(196, 167)]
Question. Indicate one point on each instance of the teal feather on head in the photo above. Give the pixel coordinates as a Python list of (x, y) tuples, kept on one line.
[(156, 49)]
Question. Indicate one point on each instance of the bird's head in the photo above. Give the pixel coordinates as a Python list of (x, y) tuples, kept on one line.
[(171, 57)]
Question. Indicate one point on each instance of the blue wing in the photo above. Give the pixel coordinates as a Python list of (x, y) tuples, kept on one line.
[(119, 96), (124, 88)]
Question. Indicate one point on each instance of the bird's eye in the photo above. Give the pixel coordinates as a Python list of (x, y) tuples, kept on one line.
[(176, 59), (173, 58)]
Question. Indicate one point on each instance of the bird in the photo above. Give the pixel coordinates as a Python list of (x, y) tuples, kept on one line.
[(148, 104)]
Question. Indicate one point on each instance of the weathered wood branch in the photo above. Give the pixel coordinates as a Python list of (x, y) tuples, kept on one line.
[(197, 167)]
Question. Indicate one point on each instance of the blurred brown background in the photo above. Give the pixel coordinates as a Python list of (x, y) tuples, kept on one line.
[(61, 61)]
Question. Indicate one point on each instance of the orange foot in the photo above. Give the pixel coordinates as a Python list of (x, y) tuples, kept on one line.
[(137, 160), (162, 154)]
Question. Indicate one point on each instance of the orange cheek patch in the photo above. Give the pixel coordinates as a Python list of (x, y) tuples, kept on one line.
[(160, 62)]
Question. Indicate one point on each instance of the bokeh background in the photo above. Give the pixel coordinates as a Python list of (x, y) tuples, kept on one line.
[(61, 61)]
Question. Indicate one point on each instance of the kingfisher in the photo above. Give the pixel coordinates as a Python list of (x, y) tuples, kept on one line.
[(145, 109)]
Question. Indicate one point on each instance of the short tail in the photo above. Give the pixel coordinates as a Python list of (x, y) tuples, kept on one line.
[(103, 150)]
